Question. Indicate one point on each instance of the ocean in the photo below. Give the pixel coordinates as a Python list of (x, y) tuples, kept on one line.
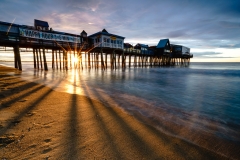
[(199, 103)]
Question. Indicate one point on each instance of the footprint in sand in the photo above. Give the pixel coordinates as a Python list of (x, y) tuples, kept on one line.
[(47, 140), (32, 146), (47, 126), (46, 150)]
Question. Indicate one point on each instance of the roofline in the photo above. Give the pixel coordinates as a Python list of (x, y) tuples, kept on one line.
[(175, 45), (57, 32), (179, 45), (41, 21), (7, 23), (103, 33)]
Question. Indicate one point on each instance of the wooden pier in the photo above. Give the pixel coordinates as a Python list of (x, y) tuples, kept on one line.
[(100, 50)]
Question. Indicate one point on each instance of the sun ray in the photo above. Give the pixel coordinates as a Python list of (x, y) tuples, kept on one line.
[(59, 45), (10, 26), (94, 47)]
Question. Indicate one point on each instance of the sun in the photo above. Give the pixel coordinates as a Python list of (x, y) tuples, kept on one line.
[(75, 59)]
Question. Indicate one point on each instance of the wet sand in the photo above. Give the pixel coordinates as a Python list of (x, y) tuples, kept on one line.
[(39, 123)]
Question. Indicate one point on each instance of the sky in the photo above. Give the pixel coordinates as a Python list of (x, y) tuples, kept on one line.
[(211, 28)]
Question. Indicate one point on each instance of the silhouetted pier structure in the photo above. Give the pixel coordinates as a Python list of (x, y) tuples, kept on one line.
[(101, 49)]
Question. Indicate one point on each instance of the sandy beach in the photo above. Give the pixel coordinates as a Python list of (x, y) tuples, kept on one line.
[(37, 122)]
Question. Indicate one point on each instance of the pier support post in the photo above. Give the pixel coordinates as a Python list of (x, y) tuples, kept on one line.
[(44, 60), (102, 61), (115, 60), (17, 58), (37, 58), (123, 59), (129, 60), (81, 57), (60, 60), (56, 60), (119, 55), (111, 60), (70, 57), (94, 59), (34, 58), (40, 55), (106, 60), (89, 63), (53, 59), (66, 60), (135, 60), (74, 59)]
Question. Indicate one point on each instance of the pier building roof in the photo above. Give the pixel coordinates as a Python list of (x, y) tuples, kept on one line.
[(162, 43), (142, 45), (105, 32), (40, 23), (127, 45)]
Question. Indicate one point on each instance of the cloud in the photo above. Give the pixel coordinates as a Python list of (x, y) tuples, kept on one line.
[(206, 54), (228, 24), (84, 5), (230, 46), (196, 24), (210, 54)]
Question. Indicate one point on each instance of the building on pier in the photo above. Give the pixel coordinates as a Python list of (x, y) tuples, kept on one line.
[(37, 35), (163, 47), (40, 38), (107, 40), (142, 47), (83, 34), (128, 46), (41, 25), (152, 50), (130, 49), (179, 51)]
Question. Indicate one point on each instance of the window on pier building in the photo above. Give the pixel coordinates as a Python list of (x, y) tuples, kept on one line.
[(178, 49), (97, 40), (166, 50), (119, 42), (113, 41)]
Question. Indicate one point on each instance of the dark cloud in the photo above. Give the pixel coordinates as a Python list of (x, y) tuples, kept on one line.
[(228, 24), (176, 34)]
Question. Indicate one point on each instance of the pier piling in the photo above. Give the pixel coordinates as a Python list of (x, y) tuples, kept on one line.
[(44, 60)]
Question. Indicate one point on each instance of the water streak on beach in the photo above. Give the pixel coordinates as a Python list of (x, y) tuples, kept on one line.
[(199, 103)]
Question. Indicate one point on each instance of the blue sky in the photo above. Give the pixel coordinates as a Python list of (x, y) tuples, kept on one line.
[(211, 28)]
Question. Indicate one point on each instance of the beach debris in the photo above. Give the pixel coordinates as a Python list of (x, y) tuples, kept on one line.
[(21, 137), (29, 114)]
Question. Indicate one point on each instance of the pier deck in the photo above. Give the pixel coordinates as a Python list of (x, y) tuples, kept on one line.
[(63, 45)]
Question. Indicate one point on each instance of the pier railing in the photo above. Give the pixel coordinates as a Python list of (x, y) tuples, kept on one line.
[(108, 45), (138, 51)]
